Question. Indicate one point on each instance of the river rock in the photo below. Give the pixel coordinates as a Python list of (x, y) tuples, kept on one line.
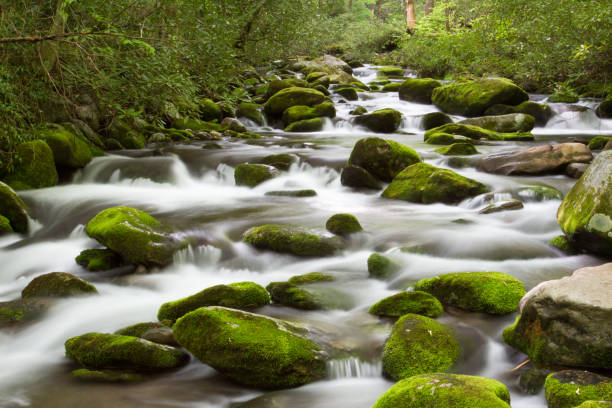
[(599, 142), (291, 240), (106, 376), (567, 321), (250, 111), (69, 149), (281, 161), (434, 119), (391, 87), (536, 160), (209, 110), (251, 349), (13, 208), (541, 112), (343, 224), (97, 260), (233, 124), (240, 295), (562, 243), (604, 109), (358, 177), (563, 96), (457, 149), (381, 267), (135, 235), (380, 121), (288, 97), (595, 404), (100, 350), (23, 310), (382, 158), (130, 138), (301, 112), (576, 170), (347, 92), (442, 138), (513, 122), (292, 193), (418, 345), (418, 90), (359, 110), (487, 292), (139, 329), (251, 175), (472, 98), (57, 284), (293, 293), (5, 226), (424, 183), (445, 391), (585, 213), (278, 85), (540, 193), (570, 388), (390, 72), (475, 132), (508, 205), (417, 302), (307, 125), (35, 167)]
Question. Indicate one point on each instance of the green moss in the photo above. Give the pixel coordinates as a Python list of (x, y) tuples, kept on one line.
[(595, 404), (421, 303), (106, 376), (458, 149), (292, 193), (251, 175), (475, 132), (22, 310), (599, 142), (321, 89), (209, 110), (488, 292), (314, 76), (312, 277), (343, 224), (418, 90), (434, 119), (418, 345), (308, 125), (278, 85), (567, 389), (33, 168), (512, 122), (541, 112), (564, 244), (381, 267), (128, 137), (291, 295), (382, 158), (392, 87), (286, 98), (563, 96), (139, 329), (290, 240), (57, 284), (442, 138), (281, 161), (96, 260), (424, 183), (135, 235), (240, 295), (390, 72), (13, 208), (69, 150), (359, 110), (195, 125), (251, 349), (301, 112), (358, 177), (250, 111), (445, 391), (5, 226), (99, 350), (540, 193), (380, 121), (347, 92)]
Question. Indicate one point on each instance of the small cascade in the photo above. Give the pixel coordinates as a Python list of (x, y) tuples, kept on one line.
[(353, 368), (78, 232), (203, 255)]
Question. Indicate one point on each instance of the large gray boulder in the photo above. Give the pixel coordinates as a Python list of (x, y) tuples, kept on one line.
[(513, 122)]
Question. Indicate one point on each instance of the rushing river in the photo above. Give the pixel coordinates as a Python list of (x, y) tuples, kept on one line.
[(192, 188)]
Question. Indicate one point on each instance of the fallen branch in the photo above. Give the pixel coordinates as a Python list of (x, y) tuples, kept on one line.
[(54, 37), (523, 364)]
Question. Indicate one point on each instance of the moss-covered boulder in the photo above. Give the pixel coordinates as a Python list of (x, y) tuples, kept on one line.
[(604, 109), (343, 224), (251, 175), (424, 183), (315, 76), (563, 96), (562, 243), (23, 310), (444, 139), (298, 293), (418, 345), (540, 193), (381, 267), (585, 214), (300, 112), (251, 349), (106, 376), (358, 177), (278, 85), (347, 92), (234, 125), (359, 110), (57, 284), (307, 125), (34, 168), (457, 149), (434, 119), (595, 404), (13, 208), (135, 235), (380, 121), (291, 240), (391, 87), (195, 125), (288, 97), (512, 122), (599, 142), (69, 149), (281, 161), (570, 388), (487, 292), (445, 391), (390, 72), (209, 110), (312, 277), (472, 98), (97, 260), (5, 226), (250, 111), (240, 295), (140, 329), (417, 302), (130, 138), (100, 350), (418, 90), (475, 132), (541, 112), (382, 158)]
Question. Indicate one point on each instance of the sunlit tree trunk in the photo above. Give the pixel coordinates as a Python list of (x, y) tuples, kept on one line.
[(410, 16), (429, 5)]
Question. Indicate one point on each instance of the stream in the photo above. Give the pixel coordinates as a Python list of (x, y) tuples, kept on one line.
[(191, 187)]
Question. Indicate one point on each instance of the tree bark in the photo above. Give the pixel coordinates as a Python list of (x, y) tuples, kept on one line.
[(350, 4), (410, 16), (378, 8), (429, 5)]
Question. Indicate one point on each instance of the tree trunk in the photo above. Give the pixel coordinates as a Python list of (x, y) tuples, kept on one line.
[(410, 16), (241, 42), (350, 4), (49, 50), (378, 8), (429, 5)]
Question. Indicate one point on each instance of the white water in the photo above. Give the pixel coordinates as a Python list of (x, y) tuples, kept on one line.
[(193, 189)]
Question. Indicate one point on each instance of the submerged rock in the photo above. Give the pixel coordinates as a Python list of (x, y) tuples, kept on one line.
[(563, 243), (540, 193), (281, 161), (418, 90), (381, 267), (359, 110), (508, 205), (380, 121), (291, 240), (541, 112), (567, 321), (343, 224), (288, 97), (23, 310), (106, 376), (421, 303), (434, 119), (476, 132), (251, 175), (308, 125), (512, 122), (604, 109), (445, 391), (240, 295), (570, 388), (13, 208), (458, 149), (35, 169), (358, 177), (382, 158), (418, 345), (96, 260), (251, 349), (292, 193), (57, 284)]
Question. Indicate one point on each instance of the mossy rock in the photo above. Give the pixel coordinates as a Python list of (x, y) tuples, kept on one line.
[(33, 168), (604, 109), (424, 183), (288, 97), (291, 295), (209, 110), (281, 161), (301, 112), (13, 208), (418, 90), (382, 158), (379, 82), (570, 388), (418, 345), (291, 240), (97, 260), (434, 119), (5, 226), (380, 121), (106, 376), (343, 224), (417, 302), (457, 149), (240, 295), (442, 138), (541, 112), (390, 72), (472, 98), (510, 123), (315, 76), (445, 391), (563, 96), (57, 284), (599, 142), (140, 329), (23, 310), (135, 235), (251, 349), (308, 125), (112, 144), (250, 111), (595, 404), (233, 124), (312, 277), (292, 193), (321, 89), (347, 92), (195, 125), (100, 350), (392, 87), (358, 177), (500, 206), (69, 150), (358, 111), (278, 85), (487, 292), (475, 132), (381, 267), (532, 380), (128, 137), (251, 175), (562, 243), (540, 193)]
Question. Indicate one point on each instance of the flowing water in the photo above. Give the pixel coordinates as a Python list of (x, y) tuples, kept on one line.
[(192, 189)]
